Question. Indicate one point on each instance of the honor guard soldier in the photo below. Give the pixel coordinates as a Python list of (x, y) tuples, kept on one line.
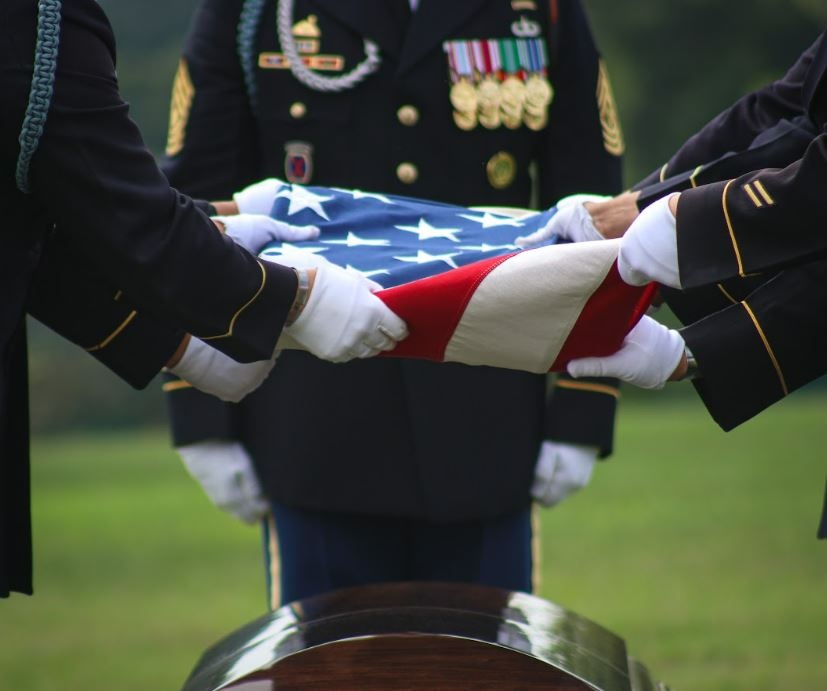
[(743, 242), (395, 470), (99, 247)]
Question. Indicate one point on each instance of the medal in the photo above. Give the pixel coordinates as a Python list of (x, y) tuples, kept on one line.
[(463, 94), (512, 89), (512, 94), (465, 121), (464, 97), (538, 91), (491, 120), (535, 122), (489, 94), (512, 122)]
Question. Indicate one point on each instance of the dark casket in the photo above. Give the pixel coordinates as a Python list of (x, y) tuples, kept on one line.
[(420, 636)]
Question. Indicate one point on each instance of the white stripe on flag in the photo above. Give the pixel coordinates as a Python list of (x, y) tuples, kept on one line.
[(522, 312)]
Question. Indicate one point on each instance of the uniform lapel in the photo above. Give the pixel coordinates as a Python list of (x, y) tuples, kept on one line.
[(371, 19), (431, 23)]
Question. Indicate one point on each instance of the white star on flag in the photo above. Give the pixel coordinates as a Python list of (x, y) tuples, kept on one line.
[(485, 247), (358, 194), (285, 248), (367, 274), (371, 231), (423, 257), (354, 240), (426, 231), (491, 221), (302, 198)]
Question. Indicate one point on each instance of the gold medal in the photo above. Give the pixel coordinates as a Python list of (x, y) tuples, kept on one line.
[(501, 170), (511, 109), (512, 91), (489, 94), (538, 91), (491, 120), (465, 121), (464, 96), (512, 122), (535, 122), (535, 109)]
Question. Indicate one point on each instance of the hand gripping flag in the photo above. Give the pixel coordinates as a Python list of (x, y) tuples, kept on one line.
[(466, 291)]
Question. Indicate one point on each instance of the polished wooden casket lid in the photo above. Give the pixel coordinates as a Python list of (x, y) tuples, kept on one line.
[(420, 636)]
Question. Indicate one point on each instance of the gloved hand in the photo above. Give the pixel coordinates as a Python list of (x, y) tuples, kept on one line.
[(254, 231), (561, 470), (649, 356), (571, 222), (649, 249), (225, 472), (259, 197), (342, 319), (213, 372)]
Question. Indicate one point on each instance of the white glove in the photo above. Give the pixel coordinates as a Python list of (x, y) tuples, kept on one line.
[(649, 355), (571, 222), (259, 197), (299, 260), (342, 319), (225, 472), (649, 249), (213, 372), (561, 470), (254, 231)]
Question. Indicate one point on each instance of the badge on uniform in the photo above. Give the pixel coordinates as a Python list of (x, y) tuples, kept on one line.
[(501, 81), (298, 162), (307, 37)]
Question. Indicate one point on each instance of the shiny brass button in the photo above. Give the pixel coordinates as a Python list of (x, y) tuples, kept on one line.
[(408, 115), (298, 110), (407, 173), (501, 170)]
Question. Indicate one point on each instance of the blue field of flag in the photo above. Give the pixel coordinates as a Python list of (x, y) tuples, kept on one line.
[(392, 239)]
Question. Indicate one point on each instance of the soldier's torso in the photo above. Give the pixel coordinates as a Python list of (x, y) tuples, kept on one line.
[(436, 119)]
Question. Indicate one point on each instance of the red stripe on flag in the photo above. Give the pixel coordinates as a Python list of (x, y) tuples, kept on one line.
[(433, 306), (609, 314)]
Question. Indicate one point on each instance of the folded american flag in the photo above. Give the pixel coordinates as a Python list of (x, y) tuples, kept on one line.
[(466, 291)]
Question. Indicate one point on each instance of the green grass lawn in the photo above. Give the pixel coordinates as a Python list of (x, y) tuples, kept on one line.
[(695, 546)]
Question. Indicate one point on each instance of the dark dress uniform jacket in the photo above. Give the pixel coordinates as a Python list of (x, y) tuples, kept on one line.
[(404, 438), (751, 242), (102, 248)]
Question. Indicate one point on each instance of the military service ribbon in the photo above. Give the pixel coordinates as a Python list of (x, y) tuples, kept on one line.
[(499, 82), (463, 92)]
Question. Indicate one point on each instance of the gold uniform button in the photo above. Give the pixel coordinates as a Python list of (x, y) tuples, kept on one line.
[(501, 170), (298, 110), (407, 173), (408, 115)]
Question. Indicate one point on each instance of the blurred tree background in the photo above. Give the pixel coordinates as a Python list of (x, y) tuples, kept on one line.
[(673, 65)]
